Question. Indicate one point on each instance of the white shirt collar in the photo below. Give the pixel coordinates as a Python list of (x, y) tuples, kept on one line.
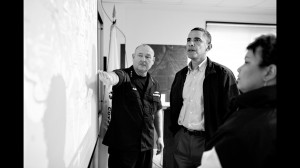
[(200, 67)]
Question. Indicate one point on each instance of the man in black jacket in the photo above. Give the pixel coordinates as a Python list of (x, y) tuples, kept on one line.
[(199, 100), (136, 111)]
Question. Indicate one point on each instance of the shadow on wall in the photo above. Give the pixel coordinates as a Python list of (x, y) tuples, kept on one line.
[(55, 122)]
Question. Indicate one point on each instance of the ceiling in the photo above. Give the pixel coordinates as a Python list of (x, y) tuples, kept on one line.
[(254, 6)]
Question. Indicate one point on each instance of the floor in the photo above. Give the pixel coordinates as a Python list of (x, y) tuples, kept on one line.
[(157, 160)]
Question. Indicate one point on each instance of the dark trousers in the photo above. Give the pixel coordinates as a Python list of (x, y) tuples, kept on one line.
[(130, 159), (189, 148)]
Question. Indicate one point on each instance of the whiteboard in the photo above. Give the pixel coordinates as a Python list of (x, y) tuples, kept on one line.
[(60, 86)]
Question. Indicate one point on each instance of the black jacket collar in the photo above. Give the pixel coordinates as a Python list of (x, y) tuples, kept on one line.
[(258, 97)]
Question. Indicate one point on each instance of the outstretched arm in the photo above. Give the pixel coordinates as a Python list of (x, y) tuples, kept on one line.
[(108, 78), (158, 123)]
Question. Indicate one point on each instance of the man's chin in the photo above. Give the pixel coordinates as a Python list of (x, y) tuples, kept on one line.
[(143, 69), (191, 56)]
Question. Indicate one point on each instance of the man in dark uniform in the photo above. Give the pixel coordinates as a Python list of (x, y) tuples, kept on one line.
[(136, 111)]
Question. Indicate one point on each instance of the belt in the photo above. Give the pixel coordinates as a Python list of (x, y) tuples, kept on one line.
[(193, 132)]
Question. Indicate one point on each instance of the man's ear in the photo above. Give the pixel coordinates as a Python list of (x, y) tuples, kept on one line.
[(209, 47), (132, 56)]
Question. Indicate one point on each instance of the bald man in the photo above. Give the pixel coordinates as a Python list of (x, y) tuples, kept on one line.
[(136, 111)]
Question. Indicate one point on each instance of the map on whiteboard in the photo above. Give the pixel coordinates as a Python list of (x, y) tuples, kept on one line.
[(60, 64)]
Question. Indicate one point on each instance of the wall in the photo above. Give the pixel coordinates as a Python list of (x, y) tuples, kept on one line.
[(170, 24), (60, 86)]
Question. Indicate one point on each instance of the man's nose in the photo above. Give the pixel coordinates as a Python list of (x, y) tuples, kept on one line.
[(191, 43), (143, 58)]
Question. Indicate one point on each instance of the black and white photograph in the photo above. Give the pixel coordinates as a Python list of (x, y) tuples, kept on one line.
[(150, 84)]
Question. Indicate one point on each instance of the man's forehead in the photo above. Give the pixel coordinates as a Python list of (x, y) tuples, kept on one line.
[(193, 34), (144, 49)]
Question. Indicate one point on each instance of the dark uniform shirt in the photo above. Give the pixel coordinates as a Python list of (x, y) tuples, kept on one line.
[(135, 100)]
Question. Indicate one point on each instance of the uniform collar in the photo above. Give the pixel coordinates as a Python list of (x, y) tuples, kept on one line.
[(133, 74)]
